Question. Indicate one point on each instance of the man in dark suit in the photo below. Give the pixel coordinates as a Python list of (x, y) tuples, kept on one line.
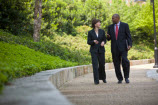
[(96, 40), (121, 42)]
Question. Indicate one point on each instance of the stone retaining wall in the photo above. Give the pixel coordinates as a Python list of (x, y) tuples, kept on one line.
[(66, 74)]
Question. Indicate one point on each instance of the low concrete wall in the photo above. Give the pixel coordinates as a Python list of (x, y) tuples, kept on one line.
[(139, 62), (66, 74)]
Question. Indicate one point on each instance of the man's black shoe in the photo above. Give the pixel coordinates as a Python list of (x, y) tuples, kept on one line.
[(127, 80), (120, 81)]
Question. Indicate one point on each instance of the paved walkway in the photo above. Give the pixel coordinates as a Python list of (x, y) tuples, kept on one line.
[(141, 91), (33, 90)]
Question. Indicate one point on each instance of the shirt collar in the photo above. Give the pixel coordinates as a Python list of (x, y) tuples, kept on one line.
[(118, 24)]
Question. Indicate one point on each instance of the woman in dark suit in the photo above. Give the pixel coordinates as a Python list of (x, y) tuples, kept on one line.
[(96, 40)]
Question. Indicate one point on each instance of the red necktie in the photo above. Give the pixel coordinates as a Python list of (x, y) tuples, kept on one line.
[(116, 31)]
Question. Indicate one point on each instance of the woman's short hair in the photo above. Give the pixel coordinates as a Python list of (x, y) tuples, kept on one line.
[(94, 21)]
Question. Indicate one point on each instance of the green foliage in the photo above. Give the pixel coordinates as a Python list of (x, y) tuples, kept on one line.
[(77, 47), (143, 24), (83, 30), (48, 46), (74, 49), (141, 51), (66, 15), (16, 16), (79, 44), (59, 16), (64, 28), (17, 61)]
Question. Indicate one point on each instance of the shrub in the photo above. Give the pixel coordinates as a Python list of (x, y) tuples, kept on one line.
[(83, 30), (75, 48), (17, 61), (73, 51)]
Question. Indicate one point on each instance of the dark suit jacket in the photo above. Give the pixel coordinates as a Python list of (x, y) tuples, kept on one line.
[(101, 37), (124, 37)]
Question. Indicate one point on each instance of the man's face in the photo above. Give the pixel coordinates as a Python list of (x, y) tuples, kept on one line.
[(115, 19)]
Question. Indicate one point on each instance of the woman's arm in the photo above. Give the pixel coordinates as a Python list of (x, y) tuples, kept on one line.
[(89, 40)]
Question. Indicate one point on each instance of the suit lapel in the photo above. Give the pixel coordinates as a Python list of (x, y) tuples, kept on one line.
[(99, 33), (95, 34), (120, 27)]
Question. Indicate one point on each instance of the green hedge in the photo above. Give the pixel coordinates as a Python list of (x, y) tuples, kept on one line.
[(141, 50), (49, 46), (17, 61), (75, 48)]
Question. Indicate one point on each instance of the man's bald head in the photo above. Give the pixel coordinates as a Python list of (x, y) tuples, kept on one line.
[(115, 18)]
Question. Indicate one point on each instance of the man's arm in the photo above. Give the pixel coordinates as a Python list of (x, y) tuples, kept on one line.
[(104, 39), (129, 38), (108, 34)]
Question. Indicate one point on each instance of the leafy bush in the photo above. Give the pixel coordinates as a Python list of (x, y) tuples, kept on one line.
[(16, 16), (17, 61), (83, 30), (79, 44), (67, 15), (76, 48), (141, 51), (51, 47)]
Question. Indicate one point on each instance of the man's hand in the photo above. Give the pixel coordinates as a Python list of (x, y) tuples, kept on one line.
[(102, 43), (96, 42), (129, 47), (108, 36)]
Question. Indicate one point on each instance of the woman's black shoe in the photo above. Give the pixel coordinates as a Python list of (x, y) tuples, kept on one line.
[(96, 83), (120, 81)]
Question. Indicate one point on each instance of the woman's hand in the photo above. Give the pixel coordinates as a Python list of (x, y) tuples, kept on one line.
[(96, 42), (102, 43)]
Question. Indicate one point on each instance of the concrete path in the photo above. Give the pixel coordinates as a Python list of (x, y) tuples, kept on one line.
[(141, 91), (33, 90)]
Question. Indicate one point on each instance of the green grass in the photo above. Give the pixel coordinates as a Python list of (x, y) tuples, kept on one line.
[(49, 46), (17, 61)]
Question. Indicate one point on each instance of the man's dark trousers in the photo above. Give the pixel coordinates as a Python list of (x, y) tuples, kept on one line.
[(118, 58)]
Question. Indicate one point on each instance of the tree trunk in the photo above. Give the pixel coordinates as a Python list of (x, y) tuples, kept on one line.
[(37, 20)]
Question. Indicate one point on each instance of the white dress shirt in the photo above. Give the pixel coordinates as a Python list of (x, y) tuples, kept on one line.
[(97, 34), (118, 24)]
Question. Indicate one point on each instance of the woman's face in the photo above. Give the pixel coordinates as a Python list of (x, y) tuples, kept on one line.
[(97, 25)]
